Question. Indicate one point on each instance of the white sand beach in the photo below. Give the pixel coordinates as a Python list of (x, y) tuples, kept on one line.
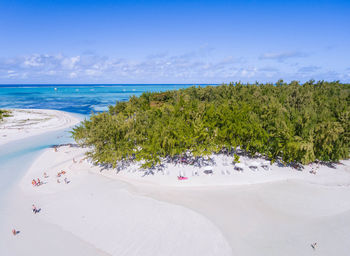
[(101, 212), (24, 123)]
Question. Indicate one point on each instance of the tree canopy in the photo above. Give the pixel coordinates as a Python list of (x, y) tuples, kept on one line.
[(293, 122), (3, 113)]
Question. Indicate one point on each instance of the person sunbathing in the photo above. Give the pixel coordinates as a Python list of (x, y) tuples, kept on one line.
[(313, 171), (14, 232), (61, 173), (39, 182), (34, 182), (45, 175)]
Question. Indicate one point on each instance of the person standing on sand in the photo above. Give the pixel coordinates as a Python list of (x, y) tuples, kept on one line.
[(34, 208), (313, 245)]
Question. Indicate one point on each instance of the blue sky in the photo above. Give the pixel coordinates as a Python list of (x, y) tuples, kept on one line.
[(173, 41)]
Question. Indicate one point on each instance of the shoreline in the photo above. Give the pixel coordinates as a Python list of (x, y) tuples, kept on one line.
[(17, 156), (24, 123), (38, 130), (122, 222), (274, 217), (281, 211)]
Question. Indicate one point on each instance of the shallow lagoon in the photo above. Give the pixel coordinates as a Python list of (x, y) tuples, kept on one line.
[(16, 157)]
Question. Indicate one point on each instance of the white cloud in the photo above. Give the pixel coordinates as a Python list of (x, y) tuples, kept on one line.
[(93, 72), (70, 63), (308, 69), (190, 67), (73, 74), (33, 61), (249, 72), (282, 56)]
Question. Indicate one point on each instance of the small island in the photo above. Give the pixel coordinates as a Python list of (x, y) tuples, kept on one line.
[(218, 170), (164, 128)]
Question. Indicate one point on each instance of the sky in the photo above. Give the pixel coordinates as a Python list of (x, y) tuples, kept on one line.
[(134, 41)]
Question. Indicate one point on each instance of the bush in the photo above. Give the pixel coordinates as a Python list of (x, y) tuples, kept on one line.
[(297, 123)]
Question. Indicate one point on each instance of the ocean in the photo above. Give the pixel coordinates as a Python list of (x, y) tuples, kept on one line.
[(80, 99), (16, 157)]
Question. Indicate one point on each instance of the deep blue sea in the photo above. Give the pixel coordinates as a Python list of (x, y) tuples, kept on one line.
[(82, 99)]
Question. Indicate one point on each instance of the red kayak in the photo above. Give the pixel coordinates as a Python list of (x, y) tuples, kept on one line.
[(181, 178)]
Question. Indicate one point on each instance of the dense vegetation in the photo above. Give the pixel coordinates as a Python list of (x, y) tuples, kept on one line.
[(3, 113), (292, 122)]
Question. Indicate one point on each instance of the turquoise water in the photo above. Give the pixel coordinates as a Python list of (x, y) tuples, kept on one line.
[(80, 99), (16, 157)]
